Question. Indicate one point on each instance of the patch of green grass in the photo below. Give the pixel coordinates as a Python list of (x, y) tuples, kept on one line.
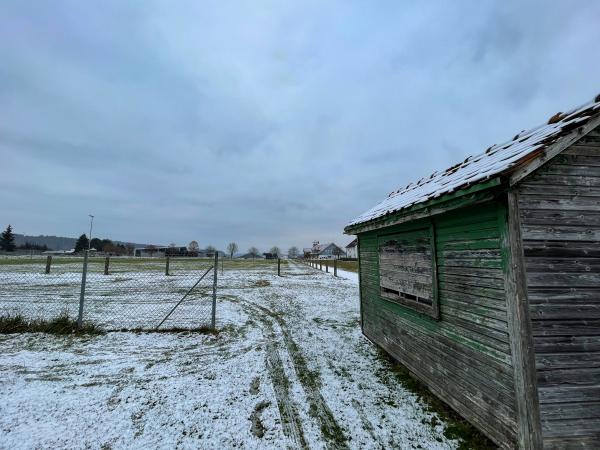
[(469, 437), (350, 266), (62, 324)]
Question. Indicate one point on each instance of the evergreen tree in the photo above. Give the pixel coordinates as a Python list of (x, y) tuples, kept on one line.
[(82, 243), (97, 244), (7, 240)]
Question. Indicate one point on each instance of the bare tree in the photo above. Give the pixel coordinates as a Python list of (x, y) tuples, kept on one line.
[(151, 249), (232, 247), (293, 252), (253, 252), (275, 251), (210, 250), (338, 252), (193, 248)]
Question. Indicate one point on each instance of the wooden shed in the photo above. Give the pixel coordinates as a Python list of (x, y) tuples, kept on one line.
[(484, 281)]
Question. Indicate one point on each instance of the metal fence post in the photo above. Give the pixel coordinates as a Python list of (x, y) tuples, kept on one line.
[(106, 265), (82, 292), (278, 267), (48, 263), (335, 267), (167, 265), (213, 319)]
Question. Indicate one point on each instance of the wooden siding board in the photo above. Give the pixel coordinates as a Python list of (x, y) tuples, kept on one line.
[(465, 357), (560, 216)]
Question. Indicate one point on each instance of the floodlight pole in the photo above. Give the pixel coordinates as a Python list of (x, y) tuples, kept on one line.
[(91, 224)]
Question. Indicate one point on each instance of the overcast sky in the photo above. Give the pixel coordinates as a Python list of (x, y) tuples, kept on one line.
[(265, 123)]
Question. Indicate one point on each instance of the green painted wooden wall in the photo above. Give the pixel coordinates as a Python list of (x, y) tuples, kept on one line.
[(464, 357)]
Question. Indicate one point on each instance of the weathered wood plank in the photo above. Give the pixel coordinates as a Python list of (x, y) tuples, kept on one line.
[(569, 203), (567, 360), (572, 296), (564, 265), (475, 282), (566, 344), (565, 394), (558, 279), (558, 249), (576, 427), (555, 311), (542, 179), (587, 327), (586, 376), (561, 233), (520, 331), (554, 411)]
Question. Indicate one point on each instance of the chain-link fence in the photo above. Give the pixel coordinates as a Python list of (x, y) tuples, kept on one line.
[(112, 293)]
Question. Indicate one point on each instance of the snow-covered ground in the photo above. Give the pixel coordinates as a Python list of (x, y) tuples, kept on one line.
[(290, 369)]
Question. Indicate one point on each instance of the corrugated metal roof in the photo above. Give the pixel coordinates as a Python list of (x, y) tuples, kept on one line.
[(496, 160)]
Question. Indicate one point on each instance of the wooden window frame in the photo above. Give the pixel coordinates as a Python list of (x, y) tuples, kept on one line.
[(426, 306)]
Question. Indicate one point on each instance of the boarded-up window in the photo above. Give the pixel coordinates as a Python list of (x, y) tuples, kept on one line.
[(407, 273)]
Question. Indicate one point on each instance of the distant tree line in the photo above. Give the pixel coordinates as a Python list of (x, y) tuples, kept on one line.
[(102, 245), (7, 242)]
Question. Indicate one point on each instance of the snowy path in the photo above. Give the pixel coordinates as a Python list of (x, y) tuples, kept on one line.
[(289, 370)]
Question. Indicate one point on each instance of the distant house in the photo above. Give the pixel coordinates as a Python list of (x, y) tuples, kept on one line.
[(484, 281), (351, 249), (324, 251), (270, 255)]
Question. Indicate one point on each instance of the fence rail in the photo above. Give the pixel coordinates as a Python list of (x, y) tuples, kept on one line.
[(113, 293)]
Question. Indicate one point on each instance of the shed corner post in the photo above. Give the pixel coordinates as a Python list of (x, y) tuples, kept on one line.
[(529, 428), (360, 295)]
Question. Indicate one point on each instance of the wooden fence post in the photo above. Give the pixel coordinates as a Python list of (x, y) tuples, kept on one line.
[(327, 266), (167, 265), (106, 265), (48, 263), (278, 267), (335, 267)]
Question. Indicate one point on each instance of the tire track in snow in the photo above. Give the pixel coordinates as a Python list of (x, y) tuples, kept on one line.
[(291, 421), (318, 408)]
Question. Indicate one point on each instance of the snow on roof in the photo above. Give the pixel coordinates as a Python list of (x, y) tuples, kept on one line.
[(496, 160)]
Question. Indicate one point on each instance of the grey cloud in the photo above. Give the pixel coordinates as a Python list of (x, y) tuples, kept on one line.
[(270, 123)]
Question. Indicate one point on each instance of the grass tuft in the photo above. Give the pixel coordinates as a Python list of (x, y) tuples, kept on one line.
[(197, 330), (62, 324)]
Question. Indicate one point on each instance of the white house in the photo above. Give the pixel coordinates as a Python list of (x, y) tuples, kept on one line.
[(351, 249), (324, 251)]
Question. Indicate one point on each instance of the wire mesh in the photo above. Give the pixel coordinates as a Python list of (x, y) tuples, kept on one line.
[(134, 293)]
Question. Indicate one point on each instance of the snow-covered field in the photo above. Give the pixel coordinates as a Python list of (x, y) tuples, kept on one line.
[(289, 369)]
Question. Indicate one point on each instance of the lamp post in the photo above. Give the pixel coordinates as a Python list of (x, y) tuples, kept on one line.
[(91, 224)]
